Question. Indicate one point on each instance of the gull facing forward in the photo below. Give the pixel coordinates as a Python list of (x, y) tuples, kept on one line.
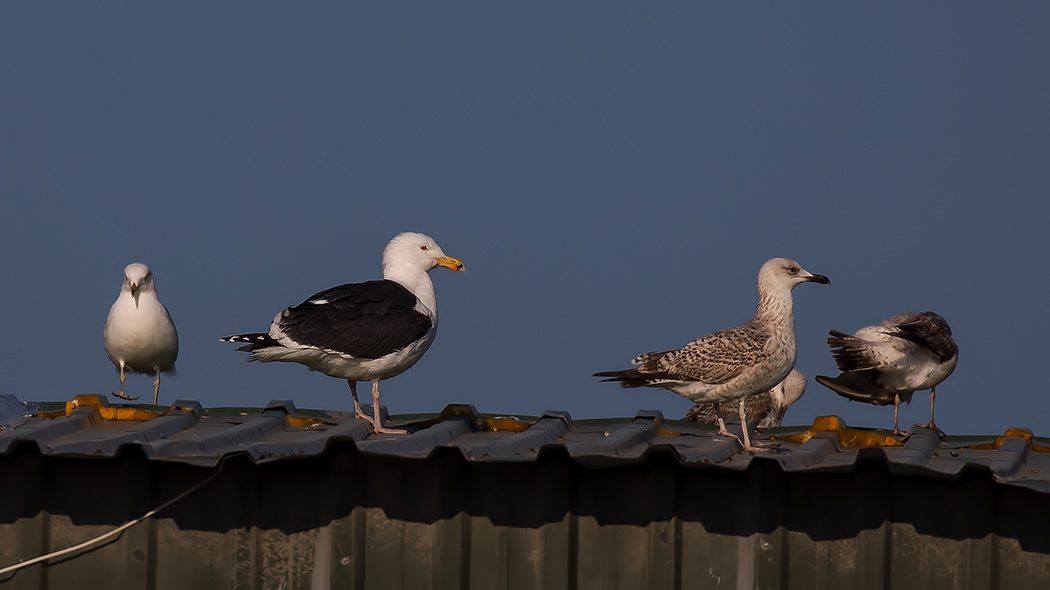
[(139, 336)]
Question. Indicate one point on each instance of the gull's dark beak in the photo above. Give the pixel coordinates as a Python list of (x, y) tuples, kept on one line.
[(823, 280), (134, 288)]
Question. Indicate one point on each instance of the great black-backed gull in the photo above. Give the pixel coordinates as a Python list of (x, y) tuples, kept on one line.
[(887, 363), (734, 364), (362, 331), (767, 409), (139, 336)]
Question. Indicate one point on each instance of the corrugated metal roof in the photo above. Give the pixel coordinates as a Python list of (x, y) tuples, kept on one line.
[(15, 413), (186, 432), (280, 497)]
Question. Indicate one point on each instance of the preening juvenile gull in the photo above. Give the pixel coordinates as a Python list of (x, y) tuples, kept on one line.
[(767, 409), (887, 363), (362, 331), (139, 335), (734, 364)]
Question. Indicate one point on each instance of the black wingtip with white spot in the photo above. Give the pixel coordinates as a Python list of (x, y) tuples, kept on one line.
[(245, 338), (255, 341)]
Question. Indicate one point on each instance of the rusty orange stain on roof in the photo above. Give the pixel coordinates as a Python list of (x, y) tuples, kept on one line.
[(849, 437)]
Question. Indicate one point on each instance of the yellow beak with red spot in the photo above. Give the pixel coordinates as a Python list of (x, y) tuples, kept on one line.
[(450, 262)]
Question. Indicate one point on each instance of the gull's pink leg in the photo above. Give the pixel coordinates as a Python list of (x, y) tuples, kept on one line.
[(378, 424), (722, 425), (933, 394), (896, 410), (122, 395), (358, 412), (743, 428)]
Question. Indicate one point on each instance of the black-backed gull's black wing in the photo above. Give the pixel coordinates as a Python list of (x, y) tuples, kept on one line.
[(364, 320)]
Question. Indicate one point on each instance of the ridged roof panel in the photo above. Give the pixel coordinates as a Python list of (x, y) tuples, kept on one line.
[(89, 426)]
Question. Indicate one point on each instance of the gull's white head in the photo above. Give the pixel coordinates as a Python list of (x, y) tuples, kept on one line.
[(789, 390), (784, 394), (416, 251), (786, 273), (138, 278)]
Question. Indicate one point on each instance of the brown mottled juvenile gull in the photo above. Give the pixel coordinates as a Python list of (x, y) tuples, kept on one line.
[(139, 336), (734, 364), (362, 331), (887, 363), (767, 409)]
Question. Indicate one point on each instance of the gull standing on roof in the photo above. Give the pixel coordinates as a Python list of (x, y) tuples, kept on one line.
[(887, 363), (734, 364), (139, 336), (362, 331), (767, 409)]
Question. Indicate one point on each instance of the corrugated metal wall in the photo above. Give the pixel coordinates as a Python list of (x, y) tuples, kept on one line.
[(347, 520)]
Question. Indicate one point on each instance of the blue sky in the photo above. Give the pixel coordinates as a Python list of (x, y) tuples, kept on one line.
[(612, 175)]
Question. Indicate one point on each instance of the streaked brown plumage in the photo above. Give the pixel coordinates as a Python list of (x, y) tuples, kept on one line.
[(733, 364)]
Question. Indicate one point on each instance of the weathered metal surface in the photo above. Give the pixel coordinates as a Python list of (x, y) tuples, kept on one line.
[(312, 500), (15, 413), (187, 433)]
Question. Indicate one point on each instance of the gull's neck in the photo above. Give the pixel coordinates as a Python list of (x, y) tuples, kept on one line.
[(417, 282), (135, 298), (775, 306)]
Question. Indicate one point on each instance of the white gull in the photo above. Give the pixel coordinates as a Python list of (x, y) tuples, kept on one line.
[(139, 336)]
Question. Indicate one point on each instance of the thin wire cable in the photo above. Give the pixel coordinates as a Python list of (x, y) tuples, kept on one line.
[(113, 533)]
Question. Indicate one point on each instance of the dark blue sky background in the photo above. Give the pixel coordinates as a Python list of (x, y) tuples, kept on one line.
[(612, 175)]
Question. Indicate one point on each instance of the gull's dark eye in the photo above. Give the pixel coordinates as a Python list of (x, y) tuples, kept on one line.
[(424, 248), (793, 270)]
